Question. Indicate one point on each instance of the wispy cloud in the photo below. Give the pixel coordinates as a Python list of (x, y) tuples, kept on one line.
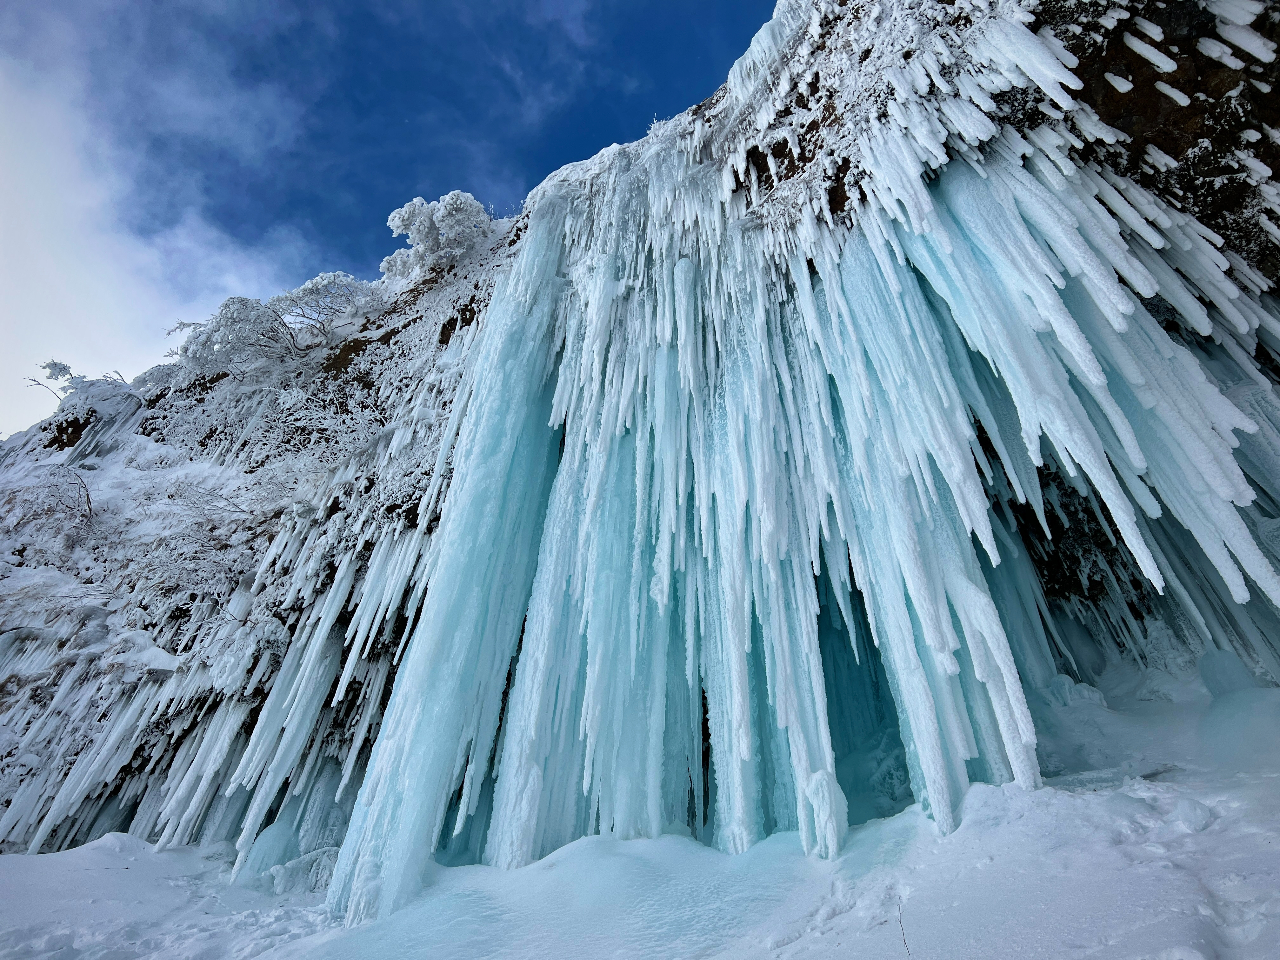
[(104, 245), (180, 70), (157, 157), (570, 15)]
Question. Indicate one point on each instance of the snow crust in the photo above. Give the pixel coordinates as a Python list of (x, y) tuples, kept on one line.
[(712, 496), (1162, 848)]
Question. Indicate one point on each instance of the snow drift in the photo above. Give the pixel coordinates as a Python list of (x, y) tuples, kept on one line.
[(762, 475)]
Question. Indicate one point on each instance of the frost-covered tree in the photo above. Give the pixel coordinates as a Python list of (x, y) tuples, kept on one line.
[(83, 399), (440, 233), (53, 370), (241, 334), (245, 333), (319, 304)]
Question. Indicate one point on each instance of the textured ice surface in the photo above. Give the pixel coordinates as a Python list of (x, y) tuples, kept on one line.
[(748, 417)]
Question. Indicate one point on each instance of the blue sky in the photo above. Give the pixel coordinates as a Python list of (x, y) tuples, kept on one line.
[(159, 157)]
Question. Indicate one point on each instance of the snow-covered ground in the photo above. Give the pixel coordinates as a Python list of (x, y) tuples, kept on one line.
[(1165, 844)]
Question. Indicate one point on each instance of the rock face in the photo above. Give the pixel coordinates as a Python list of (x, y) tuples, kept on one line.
[(763, 475)]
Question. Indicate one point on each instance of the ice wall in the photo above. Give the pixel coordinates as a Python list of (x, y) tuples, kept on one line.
[(746, 402)]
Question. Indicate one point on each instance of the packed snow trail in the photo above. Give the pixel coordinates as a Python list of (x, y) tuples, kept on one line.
[(741, 486)]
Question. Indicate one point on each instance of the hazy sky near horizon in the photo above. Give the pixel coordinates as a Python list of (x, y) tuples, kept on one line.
[(156, 158)]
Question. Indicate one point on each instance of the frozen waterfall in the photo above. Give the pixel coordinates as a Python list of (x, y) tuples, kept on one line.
[(679, 433)]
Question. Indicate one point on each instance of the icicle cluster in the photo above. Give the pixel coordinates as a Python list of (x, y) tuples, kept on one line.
[(183, 702), (750, 417), (748, 488)]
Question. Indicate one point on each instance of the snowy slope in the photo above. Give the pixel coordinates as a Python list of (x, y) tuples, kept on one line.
[(785, 469), (1170, 855)]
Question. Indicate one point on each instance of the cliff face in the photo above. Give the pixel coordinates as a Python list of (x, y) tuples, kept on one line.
[(762, 475), (137, 518)]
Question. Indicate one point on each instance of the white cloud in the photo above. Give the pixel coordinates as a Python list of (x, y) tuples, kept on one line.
[(76, 283)]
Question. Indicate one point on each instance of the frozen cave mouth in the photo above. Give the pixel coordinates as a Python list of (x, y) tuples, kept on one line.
[(816, 462)]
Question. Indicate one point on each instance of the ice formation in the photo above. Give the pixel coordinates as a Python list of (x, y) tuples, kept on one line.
[(764, 474)]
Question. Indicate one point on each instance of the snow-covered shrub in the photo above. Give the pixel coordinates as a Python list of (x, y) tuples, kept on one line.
[(51, 496), (84, 401), (440, 233), (84, 389), (245, 333), (319, 304), (241, 334)]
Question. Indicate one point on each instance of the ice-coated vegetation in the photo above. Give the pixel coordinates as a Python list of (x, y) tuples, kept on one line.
[(763, 475), (438, 234)]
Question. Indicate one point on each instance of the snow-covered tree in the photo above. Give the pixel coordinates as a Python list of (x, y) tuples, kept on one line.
[(319, 304), (440, 233), (245, 332), (53, 370), (242, 333)]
